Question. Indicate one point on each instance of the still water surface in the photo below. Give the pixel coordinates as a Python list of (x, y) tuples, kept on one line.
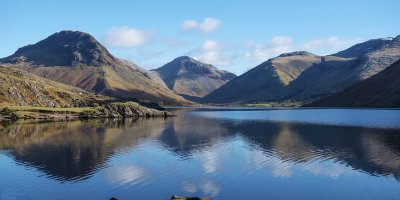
[(219, 153)]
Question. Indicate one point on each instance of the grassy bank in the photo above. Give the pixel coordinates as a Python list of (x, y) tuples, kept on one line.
[(275, 104), (110, 110), (32, 112), (46, 109)]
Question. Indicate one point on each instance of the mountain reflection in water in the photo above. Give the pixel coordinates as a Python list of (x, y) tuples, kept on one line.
[(228, 150)]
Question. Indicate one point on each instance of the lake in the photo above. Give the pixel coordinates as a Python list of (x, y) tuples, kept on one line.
[(223, 153)]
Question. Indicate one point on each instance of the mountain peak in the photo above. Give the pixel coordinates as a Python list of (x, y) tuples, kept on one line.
[(78, 59), (296, 53), (191, 78), (72, 33), (369, 46), (183, 58), (64, 48)]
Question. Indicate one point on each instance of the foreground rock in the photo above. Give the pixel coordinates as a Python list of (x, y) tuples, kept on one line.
[(189, 198)]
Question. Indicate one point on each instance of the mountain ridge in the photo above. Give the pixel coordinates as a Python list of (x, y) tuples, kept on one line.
[(191, 78), (21, 88), (78, 59), (379, 90), (264, 80), (320, 77)]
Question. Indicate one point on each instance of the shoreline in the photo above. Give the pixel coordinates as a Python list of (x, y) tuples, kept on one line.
[(111, 110)]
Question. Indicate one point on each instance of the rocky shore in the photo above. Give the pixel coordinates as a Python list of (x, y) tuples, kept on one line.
[(110, 110), (123, 110)]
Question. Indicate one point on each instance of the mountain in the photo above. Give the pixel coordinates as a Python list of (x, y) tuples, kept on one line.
[(191, 78), (346, 68), (314, 77), (265, 81), (78, 59), (151, 74), (380, 90), (21, 88)]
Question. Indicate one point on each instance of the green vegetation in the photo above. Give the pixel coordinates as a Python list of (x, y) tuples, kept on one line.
[(276, 104), (22, 88), (31, 112), (87, 65), (75, 110), (111, 110)]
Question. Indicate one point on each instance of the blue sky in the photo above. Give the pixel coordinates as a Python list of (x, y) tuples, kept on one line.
[(232, 35)]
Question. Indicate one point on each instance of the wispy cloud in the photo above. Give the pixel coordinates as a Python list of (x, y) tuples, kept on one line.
[(284, 44), (208, 25), (189, 24), (211, 52), (333, 43), (274, 47), (126, 37)]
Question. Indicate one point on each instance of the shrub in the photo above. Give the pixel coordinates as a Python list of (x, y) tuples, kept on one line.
[(6, 111)]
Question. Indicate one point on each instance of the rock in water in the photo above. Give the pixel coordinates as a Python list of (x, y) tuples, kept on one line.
[(189, 198)]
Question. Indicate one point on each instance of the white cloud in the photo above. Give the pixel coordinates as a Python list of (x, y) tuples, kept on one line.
[(208, 25), (126, 37), (274, 47), (211, 52), (211, 45), (126, 174), (283, 44), (280, 41), (334, 43), (188, 187), (209, 187), (189, 24), (209, 162), (277, 166)]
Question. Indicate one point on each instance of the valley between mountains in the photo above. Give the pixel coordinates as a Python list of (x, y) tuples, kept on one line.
[(72, 69)]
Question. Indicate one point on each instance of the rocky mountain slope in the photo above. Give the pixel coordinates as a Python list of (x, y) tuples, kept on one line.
[(21, 88), (191, 78), (380, 90), (76, 58), (313, 77), (345, 68), (265, 81), (151, 74)]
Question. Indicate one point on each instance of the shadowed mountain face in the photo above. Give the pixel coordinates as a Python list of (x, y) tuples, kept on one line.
[(303, 76), (76, 58), (191, 78), (380, 90), (265, 81)]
